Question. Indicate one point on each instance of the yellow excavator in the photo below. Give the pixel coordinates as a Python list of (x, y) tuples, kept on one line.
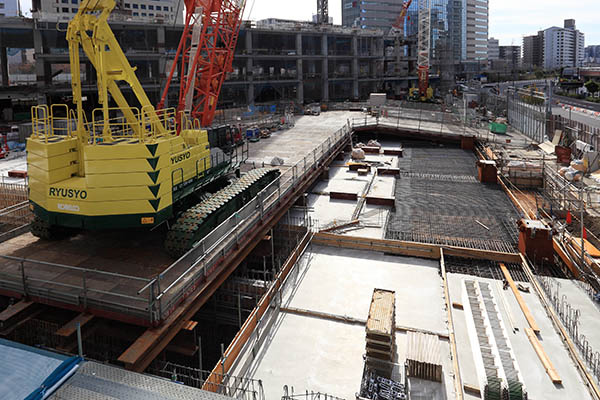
[(128, 166)]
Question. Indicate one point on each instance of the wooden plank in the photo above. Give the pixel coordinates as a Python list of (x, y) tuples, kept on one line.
[(343, 196), (339, 226), (458, 388), (16, 311), (589, 248), (539, 349), (190, 325), (411, 249), (382, 313), (70, 327), (472, 389), (524, 308)]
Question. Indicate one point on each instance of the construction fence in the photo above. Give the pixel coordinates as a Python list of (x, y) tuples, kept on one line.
[(576, 130), (528, 113)]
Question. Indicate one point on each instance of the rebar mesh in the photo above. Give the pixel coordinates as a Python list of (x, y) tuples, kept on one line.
[(439, 201), (483, 268)]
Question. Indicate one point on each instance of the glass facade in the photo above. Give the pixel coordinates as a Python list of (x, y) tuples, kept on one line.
[(448, 28), (448, 22)]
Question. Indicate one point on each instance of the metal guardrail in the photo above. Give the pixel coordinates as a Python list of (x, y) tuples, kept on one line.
[(34, 278), (165, 291), (15, 220), (182, 277), (442, 123)]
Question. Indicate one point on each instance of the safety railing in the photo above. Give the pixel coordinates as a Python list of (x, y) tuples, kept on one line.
[(288, 394), (15, 220), (41, 122), (182, 277), (232, 386), (420, 121), (84, 288)]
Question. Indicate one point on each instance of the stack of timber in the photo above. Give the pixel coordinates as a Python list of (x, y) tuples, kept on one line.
[(423, 359), (524, 174), (380, 325)]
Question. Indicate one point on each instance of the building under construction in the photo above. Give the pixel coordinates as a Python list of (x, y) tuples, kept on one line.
[(371, 249)]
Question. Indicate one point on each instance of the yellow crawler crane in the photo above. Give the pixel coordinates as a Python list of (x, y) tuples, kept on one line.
[(126, 167)]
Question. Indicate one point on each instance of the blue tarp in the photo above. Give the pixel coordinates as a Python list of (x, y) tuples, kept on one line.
[(25, 369), (55, 377)]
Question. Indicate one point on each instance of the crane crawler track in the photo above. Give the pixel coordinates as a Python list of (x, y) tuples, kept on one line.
[(197, 221)]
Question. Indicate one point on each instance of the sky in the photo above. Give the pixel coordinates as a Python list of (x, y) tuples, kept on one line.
[(510, 20)]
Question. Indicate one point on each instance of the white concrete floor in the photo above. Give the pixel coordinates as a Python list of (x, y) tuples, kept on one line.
[(293, 144), (330, 212), (589, 317), (537, 382), (341, 282), (316, 354)]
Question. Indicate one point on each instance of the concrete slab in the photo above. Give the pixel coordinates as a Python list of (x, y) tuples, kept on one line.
[(311, 354), (295, 143), (589, 311), (326, 355), (537, 382), (341, 282)]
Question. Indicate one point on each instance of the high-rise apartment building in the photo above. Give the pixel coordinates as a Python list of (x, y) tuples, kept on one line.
[(592, 54), (563, 47), (533, 50), (149, 11), (493, 49), (9, 8), (477, 24), (511, 55)]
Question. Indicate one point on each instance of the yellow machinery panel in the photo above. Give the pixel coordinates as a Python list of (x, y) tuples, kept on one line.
[(118, 166)]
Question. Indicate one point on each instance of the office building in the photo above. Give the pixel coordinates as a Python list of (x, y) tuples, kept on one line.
[(373, 14), (447, 23), (493, 49), (477, 24), (149, 11)]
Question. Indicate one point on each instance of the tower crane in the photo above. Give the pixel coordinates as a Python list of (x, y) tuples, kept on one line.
[(423, 92), (424, 50)]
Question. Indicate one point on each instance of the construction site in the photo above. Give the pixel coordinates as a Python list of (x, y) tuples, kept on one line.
[(288, 210)]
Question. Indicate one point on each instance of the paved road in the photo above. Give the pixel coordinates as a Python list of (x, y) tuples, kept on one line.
[(578, 103)]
